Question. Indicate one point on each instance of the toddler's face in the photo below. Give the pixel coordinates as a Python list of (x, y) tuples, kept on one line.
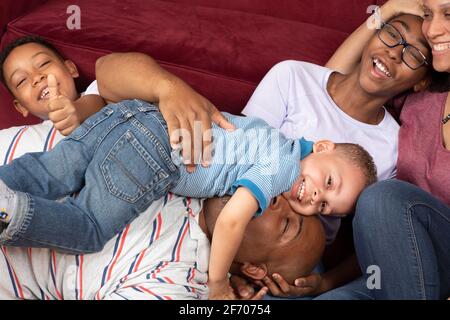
[(327, 185), (26, 70)]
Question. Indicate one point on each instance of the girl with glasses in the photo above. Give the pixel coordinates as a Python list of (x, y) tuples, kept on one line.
[(403, 226)]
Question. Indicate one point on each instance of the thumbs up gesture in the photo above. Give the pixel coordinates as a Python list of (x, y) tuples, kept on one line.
[(62, 111)]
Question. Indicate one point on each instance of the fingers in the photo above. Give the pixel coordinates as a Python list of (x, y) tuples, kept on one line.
[(279, 287), (273, 287), (243, 288), (206, 141), (189, 132), (186, 143), (219, 119), (66, 126), (284, 286), (196, 141), (260, 294), (173, 127), (52, 86), (312, 280)]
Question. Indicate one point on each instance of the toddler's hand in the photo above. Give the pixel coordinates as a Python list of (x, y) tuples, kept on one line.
[(62, 111), (245, 290), (221, 290)]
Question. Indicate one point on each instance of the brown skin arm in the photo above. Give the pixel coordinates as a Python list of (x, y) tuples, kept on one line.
[(135, 75), (348, 55), (87, 105)]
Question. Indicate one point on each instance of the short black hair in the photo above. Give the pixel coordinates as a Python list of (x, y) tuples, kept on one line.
[(20, 42)]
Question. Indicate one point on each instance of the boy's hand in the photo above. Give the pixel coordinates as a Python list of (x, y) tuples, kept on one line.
[(185, 109), (62, 111), (310, 285)]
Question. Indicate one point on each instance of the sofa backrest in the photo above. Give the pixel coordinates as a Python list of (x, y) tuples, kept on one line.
[(342, 15), (221, 48)]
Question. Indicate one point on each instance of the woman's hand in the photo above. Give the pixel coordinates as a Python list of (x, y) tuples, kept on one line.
[(310, 285), (245, 290)]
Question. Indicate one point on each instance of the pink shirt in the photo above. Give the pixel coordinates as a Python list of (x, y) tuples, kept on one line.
[(422, 157)]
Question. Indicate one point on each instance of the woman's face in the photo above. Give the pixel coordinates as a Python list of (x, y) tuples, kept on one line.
[(436, 28), (383, 72)]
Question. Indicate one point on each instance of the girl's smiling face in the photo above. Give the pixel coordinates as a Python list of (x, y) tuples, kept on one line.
[(382, 71)]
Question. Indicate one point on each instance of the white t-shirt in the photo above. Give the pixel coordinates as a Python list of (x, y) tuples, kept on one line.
[(293, 97), (92, 88)]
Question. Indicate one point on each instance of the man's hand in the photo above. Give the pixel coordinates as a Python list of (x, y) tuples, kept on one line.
[(189, 116), (62, 111), (311, 285), (134, 75)]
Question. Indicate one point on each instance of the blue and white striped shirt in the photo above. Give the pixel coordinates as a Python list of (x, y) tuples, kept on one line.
[(255, 156)]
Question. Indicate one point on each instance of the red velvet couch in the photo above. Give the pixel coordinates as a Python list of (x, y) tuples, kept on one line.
[(221, 47)]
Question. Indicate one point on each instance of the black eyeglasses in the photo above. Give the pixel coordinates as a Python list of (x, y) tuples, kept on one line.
[(392, 38)]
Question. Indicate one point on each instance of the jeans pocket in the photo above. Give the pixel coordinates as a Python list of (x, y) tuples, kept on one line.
[(131, 171), (90, 123)]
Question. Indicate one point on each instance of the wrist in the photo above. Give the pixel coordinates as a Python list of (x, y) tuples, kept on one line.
[(326, 284), (167, 87)]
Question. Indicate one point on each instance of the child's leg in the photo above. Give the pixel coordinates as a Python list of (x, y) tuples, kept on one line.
[(54, 174), (59, 172), (130, 168)]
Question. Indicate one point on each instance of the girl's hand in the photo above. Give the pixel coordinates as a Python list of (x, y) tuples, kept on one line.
[(397, 7)]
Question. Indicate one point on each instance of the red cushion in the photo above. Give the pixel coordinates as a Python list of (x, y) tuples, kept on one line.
[(339, 15), (222, 53)]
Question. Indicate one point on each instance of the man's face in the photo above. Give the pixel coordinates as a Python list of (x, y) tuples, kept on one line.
[(26, 70), (279, 240), (328, 185), (394, 76)]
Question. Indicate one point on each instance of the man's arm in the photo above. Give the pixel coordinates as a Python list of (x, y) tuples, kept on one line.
[(227, 237), (135, 75)]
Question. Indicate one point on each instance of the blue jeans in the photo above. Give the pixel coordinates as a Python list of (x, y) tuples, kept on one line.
[(404, 231), (119, 162)]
